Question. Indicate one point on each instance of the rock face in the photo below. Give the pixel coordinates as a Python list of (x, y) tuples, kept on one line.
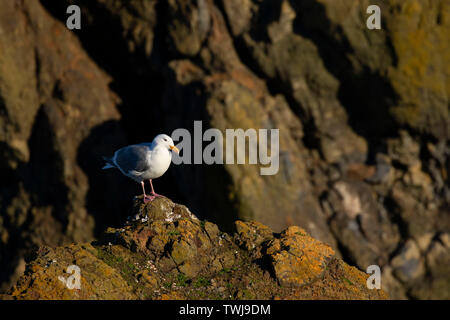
[(165, 252), (363, 116), (54, 105)]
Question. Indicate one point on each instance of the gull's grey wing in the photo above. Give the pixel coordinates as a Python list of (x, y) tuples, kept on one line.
[(132, 158)]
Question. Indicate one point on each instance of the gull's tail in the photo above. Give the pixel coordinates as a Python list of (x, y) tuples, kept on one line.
[(109, 163)]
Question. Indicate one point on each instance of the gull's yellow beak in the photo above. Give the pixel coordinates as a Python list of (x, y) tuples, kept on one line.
[(173, 148)]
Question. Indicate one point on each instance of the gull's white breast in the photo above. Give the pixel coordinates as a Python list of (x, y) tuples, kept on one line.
[(158, 161)]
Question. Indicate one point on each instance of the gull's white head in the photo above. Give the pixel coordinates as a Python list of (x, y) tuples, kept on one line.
[(165, 141)]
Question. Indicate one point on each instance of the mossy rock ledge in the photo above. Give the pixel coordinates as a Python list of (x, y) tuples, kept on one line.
[(165, 252)]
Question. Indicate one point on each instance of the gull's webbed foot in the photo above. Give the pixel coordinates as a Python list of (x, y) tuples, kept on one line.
[(148, 198)]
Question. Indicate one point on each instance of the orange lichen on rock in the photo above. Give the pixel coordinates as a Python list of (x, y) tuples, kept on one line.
[(297, 258)]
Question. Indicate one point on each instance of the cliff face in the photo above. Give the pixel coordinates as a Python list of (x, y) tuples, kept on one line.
[(165, 252), (54, 106), (363, 118)]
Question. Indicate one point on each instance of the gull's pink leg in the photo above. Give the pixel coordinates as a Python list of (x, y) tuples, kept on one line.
[(153, 191), (146, 197)]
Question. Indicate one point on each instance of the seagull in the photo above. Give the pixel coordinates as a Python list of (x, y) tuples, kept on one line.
[(144, 161)]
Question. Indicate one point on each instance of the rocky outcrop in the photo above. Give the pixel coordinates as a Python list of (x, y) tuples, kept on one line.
[(166, 252), (363, 118)]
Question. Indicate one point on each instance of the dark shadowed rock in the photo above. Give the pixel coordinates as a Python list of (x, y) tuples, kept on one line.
[(52, 98)]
